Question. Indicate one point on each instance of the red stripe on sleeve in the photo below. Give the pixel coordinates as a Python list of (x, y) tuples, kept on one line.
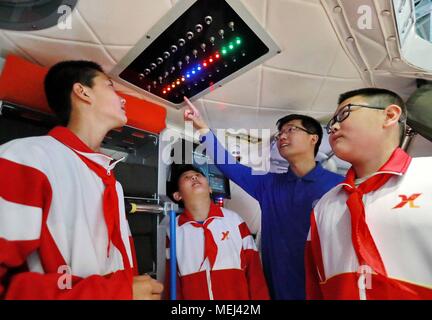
[(244, 230), (23, 184)]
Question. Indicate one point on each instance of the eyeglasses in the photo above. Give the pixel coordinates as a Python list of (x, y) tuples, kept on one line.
[(343, 113), (289, 130)]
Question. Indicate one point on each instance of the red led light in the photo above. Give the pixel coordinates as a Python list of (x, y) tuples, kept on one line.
[(178, 82), (204, 64), (164, 92), (217, 55), (169, 89), (211, 60), (173, 85)]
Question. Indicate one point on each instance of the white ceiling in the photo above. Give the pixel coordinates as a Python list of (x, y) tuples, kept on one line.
[(313, 68)]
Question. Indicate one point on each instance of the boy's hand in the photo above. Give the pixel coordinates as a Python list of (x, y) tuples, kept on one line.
[(146, 288)]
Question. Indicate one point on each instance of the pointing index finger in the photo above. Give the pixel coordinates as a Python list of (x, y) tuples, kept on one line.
[(194, 109)]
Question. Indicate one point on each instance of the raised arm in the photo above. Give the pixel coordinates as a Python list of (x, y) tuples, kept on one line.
[(242, 175)]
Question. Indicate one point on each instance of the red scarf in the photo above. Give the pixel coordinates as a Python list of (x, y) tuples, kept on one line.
[(110, 198), (364, 245), (210, 247)]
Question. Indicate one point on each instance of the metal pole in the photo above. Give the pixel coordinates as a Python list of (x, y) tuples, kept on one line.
[(173, 253), (169, 208)]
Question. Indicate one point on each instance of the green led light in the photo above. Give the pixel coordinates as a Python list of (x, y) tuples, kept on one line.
[(238, 41), (224, 51), (231, 46)]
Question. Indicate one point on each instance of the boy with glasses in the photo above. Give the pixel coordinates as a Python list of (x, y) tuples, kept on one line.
[(285, 199), (370, 236)]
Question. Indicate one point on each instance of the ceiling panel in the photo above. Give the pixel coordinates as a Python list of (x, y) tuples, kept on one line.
[(376, 53), (287, 90), (267, 118), (48, 51), (326, 100), (8, 47), (226, 116), (307, 77), (243, 90), (305, 35), (258, 9), (118, 52), (79, 30), (343, 67), (115, 23), (403, 86)]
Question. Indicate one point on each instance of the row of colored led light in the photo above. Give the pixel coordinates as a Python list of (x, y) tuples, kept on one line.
[(204, 64)]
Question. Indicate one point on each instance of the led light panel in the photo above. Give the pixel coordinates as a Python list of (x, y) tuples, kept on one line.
[(197, 46)]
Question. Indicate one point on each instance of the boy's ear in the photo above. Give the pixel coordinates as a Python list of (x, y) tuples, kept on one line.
[(177, 196), (315, 138), (393, 113), (81, 91)]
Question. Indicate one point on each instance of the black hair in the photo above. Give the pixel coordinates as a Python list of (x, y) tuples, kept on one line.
[(379, 97), (176, 172), (309, 123), (59, 82)]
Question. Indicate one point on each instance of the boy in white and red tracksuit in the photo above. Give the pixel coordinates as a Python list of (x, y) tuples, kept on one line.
[(370, 236), (217, 258), (63, 229)]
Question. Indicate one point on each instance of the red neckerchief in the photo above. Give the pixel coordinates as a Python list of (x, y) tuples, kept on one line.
[(364, 245), (110, 198), (210, 247)]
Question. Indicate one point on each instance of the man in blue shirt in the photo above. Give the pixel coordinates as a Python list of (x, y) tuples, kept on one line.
[(286, 199)]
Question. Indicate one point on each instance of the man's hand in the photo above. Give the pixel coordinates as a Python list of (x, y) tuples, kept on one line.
[(191, 113), (146, 288)]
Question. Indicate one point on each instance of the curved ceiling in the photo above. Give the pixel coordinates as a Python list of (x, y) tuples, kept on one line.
[(313, 68)]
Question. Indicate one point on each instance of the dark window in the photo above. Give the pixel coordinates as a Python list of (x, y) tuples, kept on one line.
[(25, 15)]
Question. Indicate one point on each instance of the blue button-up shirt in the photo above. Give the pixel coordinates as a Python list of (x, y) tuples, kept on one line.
[(286, 203)]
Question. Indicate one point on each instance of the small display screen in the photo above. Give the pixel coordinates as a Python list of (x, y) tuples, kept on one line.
[(217, 181)]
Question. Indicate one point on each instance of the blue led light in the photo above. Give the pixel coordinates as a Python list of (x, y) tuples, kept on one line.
[(193, 71), (187, 75), (198, 68)]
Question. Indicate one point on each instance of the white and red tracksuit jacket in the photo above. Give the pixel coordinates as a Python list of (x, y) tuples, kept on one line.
[(236, 273), (399, 218), (52, 223)]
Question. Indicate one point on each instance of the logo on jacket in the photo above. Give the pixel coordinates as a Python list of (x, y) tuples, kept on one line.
[(409, 200), (225, 235)]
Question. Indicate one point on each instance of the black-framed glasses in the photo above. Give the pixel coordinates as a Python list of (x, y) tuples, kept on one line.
[(344, 112), (289, 129)]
